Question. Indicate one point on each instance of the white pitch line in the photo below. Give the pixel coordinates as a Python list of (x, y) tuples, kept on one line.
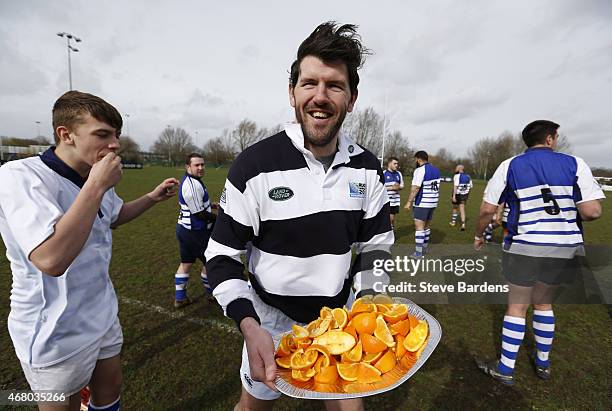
[(206, 322)]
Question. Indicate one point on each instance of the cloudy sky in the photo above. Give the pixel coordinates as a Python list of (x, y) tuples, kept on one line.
[(450, 72)]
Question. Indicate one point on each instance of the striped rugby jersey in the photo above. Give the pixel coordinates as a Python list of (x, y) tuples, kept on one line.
[(463, 182), (541, 189), (392, 178), (300, 224), (427, 177), (193, 198)]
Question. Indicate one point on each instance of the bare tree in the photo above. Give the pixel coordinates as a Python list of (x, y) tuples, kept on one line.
[(176, 143), (444, 161), (219, 150), (398, 146), (129, 150), (563, 144)]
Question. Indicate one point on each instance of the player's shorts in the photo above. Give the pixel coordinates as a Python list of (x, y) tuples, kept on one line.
[(192, 244), (275, 322), (525, 271), (460, 199), (394, 209), (423, 213), (74, 373)]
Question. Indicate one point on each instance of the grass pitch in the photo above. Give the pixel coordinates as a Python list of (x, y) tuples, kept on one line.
[(189, 360)]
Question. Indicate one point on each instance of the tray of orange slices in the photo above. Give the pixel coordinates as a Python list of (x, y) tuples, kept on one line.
[(371, 348)]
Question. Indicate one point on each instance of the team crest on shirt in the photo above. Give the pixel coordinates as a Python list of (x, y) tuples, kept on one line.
[(357, 190), (280, 193)]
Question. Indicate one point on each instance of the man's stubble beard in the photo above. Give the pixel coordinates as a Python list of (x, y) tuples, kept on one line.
[(327, 138)]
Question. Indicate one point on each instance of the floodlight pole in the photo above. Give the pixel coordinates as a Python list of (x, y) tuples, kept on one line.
[(37, 129), (69, 49), (127, 116)]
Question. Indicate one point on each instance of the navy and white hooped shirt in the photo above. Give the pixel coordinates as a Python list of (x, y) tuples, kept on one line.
[(541, 189), (392, 178), (193, 198), (463, 182), (427, 177)]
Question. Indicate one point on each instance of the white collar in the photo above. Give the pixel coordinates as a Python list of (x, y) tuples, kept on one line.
[(347, 148)]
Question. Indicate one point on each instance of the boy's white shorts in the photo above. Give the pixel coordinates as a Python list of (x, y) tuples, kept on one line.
[(71, 375)]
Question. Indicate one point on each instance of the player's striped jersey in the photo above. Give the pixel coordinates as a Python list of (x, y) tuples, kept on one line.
[(541, 189), (302, 224), (193, 198), (463, 182), (392, 178), (427, 177)]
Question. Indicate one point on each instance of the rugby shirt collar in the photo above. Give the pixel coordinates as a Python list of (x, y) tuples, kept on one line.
[(56, 164), (51, 160), (346, 146), (538, 148)]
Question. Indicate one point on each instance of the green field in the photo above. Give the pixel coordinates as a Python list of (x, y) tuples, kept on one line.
[(189, 360)]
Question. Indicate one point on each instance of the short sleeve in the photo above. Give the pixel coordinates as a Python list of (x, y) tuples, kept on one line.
[(496, 186), (193, 194), (589, 188), (30, 206), (401, 180), (117, 205), (456, 179), (418, 176)]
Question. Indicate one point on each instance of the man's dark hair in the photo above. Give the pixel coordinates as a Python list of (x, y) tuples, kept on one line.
[(190, 156), (536, 132), (72, 107), (390, 159), (421, 155), (331, 42)]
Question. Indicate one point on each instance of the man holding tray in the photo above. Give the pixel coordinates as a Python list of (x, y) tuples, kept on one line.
[(302, 199)]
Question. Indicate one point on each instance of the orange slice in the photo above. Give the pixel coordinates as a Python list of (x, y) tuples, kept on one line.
[(300, 360), (417, 337), (336, 341), (350, 328), (367, 374), (401, 327), (348, 372), (382, 332), (371, 344), (396, 313), (382, 299), (354, 355), (371, 358), (340, 318), (284, 347), (364, 323), (284, 362), (303, 375), (319, 326), (387, 362), (299, 332), (327, 375), (413, 321), (400, 350), (323, 351), (303, 343), (325, 312), (363, 305)]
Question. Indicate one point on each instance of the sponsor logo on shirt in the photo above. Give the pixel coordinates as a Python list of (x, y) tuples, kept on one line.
[(357, 190), (248, 380), (223, 198), (280, 193)]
